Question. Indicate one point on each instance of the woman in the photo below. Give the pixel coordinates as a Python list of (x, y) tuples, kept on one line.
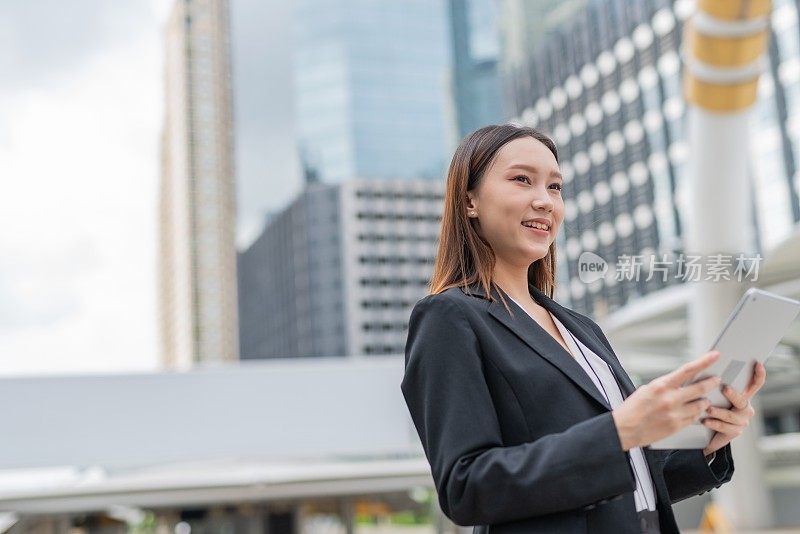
[(527, 418)]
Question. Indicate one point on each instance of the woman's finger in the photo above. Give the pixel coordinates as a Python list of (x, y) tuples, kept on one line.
[(699, 389), (693, 410), (722, 427), (756, 381), (737, 399), (688, 370), (728, 416)]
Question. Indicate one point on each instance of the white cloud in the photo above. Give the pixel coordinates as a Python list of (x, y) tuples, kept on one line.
[(79, 174)]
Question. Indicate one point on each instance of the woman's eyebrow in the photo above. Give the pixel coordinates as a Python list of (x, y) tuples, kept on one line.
[(529, 168)]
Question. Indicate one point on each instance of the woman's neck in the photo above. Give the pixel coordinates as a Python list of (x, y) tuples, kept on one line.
[(513, 280)]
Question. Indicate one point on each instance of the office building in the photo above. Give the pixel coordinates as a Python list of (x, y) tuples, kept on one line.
[(371, 88), (606, 84), (197, 255), (476, 49), (337, 272)]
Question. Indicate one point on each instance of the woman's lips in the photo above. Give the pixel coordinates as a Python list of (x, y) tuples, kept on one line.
[(537, 231)]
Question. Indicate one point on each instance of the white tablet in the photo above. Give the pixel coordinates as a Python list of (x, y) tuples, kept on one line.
[(752, 331)]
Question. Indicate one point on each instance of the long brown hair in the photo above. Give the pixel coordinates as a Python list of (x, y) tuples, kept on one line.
[(463, 257)]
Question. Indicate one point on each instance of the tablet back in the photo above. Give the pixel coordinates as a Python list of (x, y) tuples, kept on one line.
[(752, 331)]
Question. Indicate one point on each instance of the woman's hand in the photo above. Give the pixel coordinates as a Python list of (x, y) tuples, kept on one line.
[(662, 407), (730, 423)]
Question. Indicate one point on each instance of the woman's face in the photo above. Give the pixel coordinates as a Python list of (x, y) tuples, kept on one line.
[(523, 183)]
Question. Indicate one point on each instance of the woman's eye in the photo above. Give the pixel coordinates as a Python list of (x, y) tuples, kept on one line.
[(527, 180)]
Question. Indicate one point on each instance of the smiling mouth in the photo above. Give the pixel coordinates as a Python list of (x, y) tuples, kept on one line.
[(537, 226), (537, 232)]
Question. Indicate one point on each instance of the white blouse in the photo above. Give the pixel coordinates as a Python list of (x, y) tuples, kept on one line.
[(603, 377)]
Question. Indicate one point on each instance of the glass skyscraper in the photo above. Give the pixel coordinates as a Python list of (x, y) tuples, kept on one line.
[(371, 88), (476, 50)]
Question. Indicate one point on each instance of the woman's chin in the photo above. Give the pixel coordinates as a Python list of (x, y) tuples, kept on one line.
[(537, 252)]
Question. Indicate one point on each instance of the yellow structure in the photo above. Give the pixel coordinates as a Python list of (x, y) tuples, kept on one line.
[(724, 42), (714, 520)]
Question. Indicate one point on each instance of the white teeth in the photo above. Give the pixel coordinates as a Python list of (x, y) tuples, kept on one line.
[(538, 225)]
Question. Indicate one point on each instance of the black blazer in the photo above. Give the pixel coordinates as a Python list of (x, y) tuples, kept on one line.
[(518, 437)]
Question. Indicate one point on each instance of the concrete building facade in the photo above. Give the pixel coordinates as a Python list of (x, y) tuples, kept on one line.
[(337, 272), (197, 212)]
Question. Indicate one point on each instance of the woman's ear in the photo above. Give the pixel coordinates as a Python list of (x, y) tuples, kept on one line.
[(472, 206)]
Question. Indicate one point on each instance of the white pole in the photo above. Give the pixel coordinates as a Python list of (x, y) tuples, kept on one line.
[(723, 49), (720, 223)]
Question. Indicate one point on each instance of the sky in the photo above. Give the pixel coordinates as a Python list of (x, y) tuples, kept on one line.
[(80, 117)]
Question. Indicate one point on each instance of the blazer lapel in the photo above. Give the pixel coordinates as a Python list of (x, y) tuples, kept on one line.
[(542, 343), (587, 337)]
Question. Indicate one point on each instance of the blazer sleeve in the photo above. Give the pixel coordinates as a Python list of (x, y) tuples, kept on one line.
[(480, 481), (686, 471)]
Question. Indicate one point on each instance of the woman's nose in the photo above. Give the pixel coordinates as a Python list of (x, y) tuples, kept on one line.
[(543, 202)]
